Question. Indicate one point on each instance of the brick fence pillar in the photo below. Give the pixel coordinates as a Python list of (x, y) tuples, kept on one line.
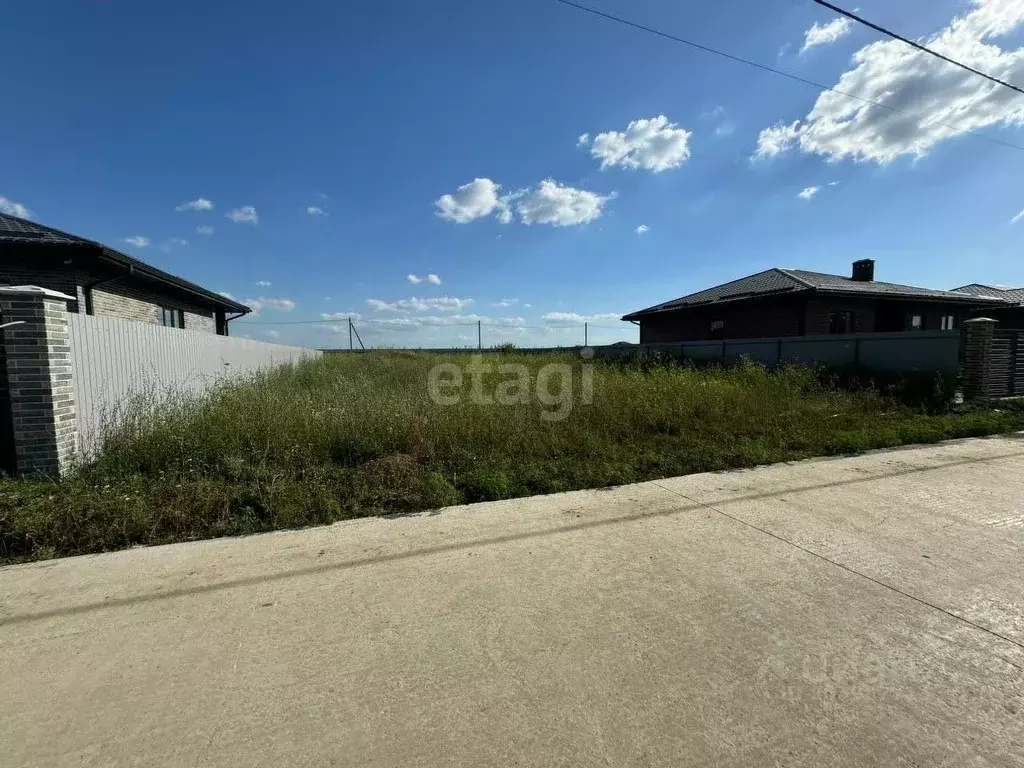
[(39, 378), (978, 334)]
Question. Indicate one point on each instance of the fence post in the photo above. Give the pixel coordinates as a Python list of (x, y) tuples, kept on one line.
[(40, 379), (977, 357)]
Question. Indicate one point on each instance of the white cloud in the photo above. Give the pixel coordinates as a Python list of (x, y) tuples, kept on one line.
[(528, 306), (429, 321), (199, 204), (171, 243), (137, 241), (12, 208), (263, 283), (415, 304), (653, 144), (282, 305), (725, 128), (511, 322), (571, 318), (203, 229), (245, 214), (824, 34), (583, 140), (472, 201), (643, 229), (1017, 218), (547, 203), (271, 334), (505, 303), (341, 316), (937, 100), (316, 210), (226, 295), (808, 193), (834, 183), (560, 206), (776, 139), (431, 278), (395, 324)]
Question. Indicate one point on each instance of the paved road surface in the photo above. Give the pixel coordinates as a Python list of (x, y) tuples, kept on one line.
[(850, 612)]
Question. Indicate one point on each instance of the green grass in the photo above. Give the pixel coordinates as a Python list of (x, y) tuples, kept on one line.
[(350, 436)]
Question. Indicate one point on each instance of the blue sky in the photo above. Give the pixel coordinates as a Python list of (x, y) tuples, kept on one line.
[(118, 113)]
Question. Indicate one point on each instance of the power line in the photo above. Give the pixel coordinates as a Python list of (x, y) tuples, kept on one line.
[(355, 324), (917, 45), (766, 68)]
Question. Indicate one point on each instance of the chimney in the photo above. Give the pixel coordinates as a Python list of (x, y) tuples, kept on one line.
[(864, 270)]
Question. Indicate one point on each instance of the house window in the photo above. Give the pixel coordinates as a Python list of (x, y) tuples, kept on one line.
[(840, 322), (917, 322), (948, 322), (717, 329), (172, 318)]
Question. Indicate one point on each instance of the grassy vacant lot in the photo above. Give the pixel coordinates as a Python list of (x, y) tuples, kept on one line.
[(350, 436)]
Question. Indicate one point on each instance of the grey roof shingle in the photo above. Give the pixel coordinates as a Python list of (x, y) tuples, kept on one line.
[(1015, 295), (17, 230), (777, 281), (13, 229), (838, 284), (768, 282)]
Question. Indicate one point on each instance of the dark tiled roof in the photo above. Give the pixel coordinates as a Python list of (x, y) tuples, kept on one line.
[(835, 283), (768, 282), (17, 230), (1004, 292), (13, 229), (777, 281)]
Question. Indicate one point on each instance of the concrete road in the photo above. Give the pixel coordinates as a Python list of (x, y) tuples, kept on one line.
[(855, 612)]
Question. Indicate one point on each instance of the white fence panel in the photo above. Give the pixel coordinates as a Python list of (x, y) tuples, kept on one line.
[(114, 359)]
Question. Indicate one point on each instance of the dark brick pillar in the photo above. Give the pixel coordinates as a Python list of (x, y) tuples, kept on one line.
[(39, 379), (977, 358)]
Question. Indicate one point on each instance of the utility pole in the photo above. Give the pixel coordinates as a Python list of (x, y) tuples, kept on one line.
[(479, 336), (350, 334), (586, 334), (353, 327)]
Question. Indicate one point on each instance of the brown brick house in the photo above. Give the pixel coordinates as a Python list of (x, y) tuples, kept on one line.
[(105, 281), (795, 302)]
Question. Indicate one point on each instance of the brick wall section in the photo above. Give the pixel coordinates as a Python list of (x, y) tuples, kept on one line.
[(115, 300), (793, 316), (39, 379), (125, 296), (819, 314), (31, 273), (743, 320), (977, 335)]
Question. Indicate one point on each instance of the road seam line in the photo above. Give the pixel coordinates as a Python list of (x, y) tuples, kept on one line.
[(846, 568)]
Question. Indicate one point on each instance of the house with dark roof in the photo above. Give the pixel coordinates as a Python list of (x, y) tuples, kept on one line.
[(796, 302), (105, 281), (1010, 316)]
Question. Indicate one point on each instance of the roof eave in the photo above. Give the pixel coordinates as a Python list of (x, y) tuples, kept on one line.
[(964, 298), (153, 273), (656, 310)]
